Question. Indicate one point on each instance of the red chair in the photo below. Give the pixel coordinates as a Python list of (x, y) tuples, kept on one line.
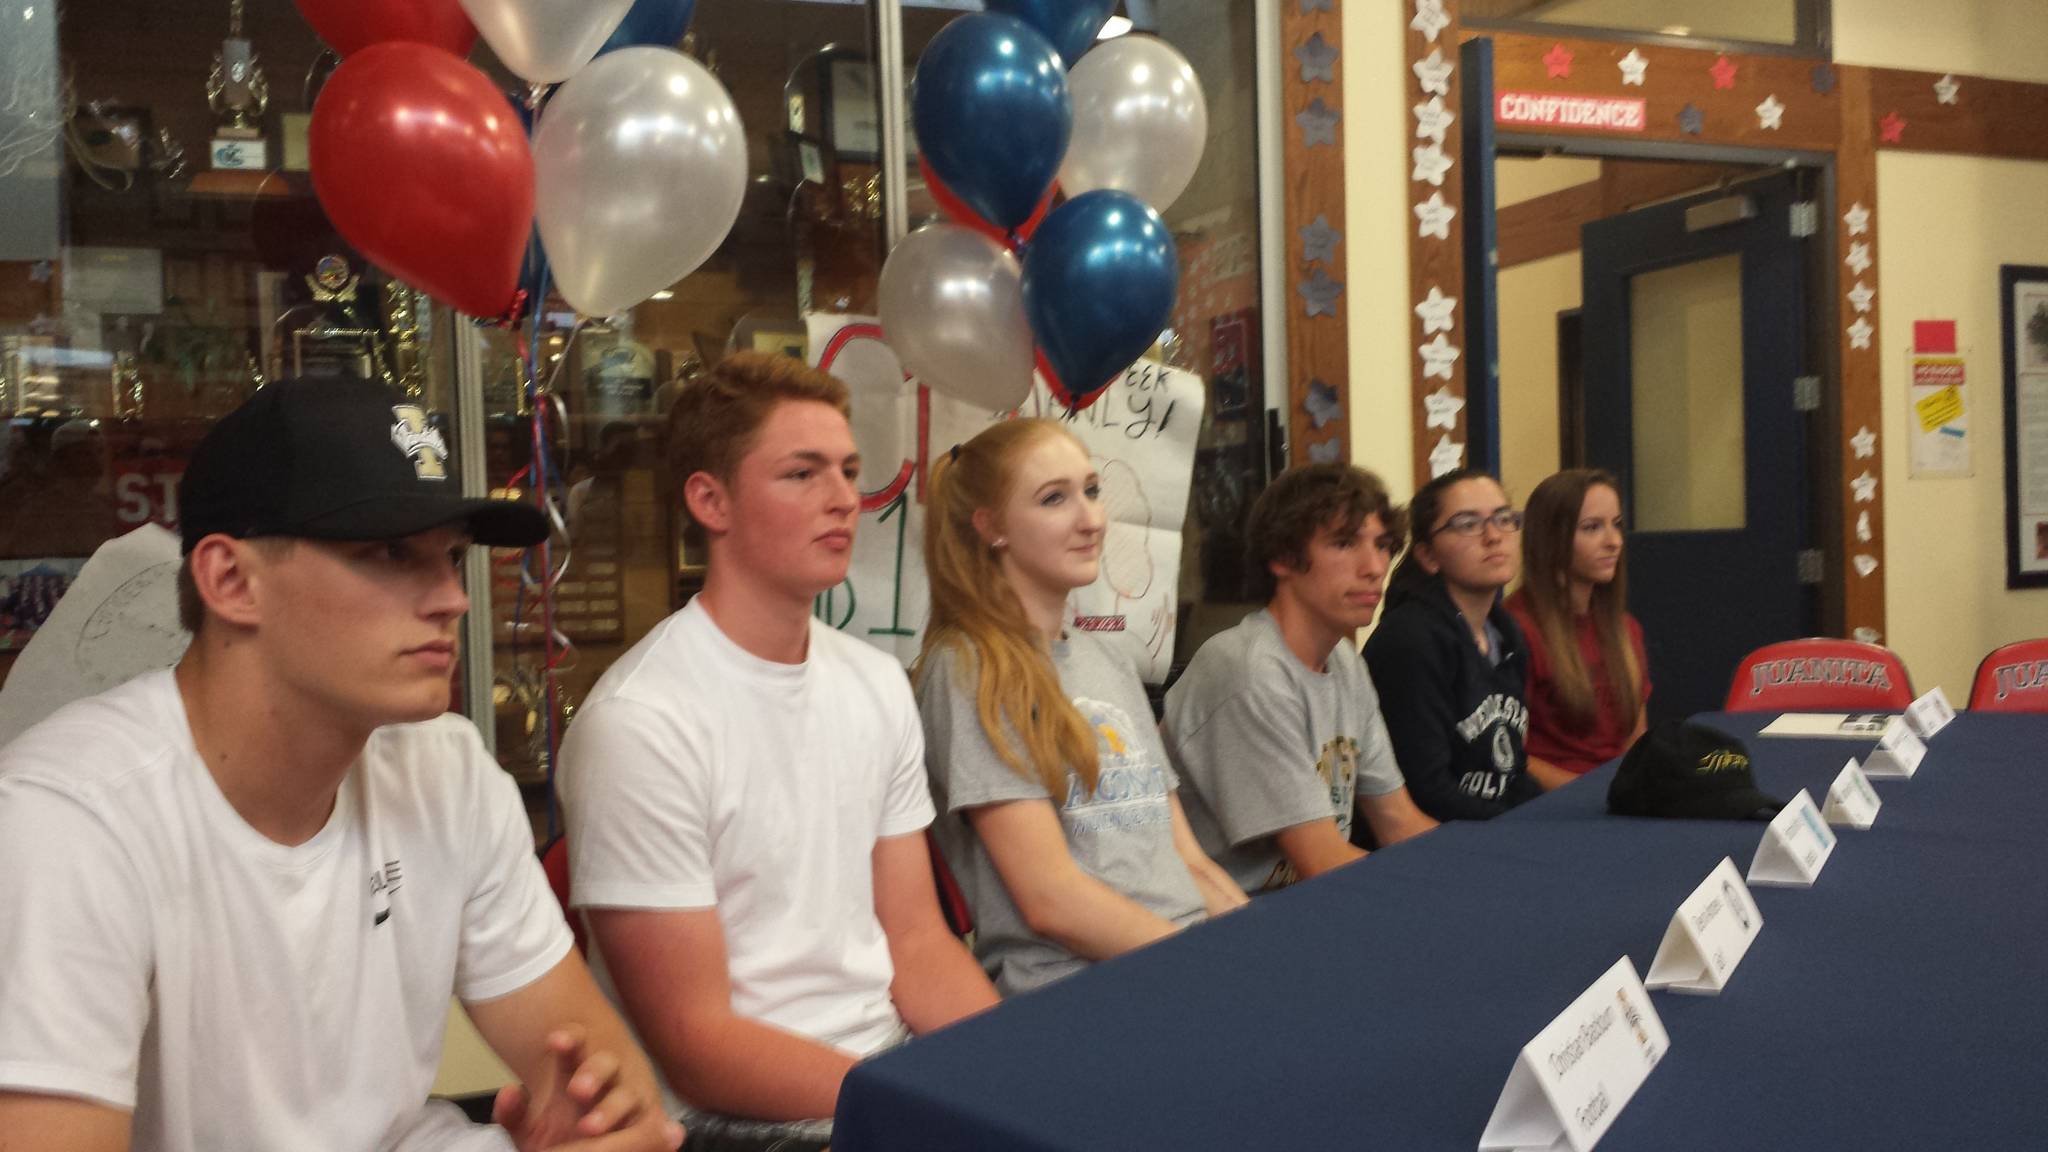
[(2013, 678), (951, 900), (554, 860), (1819, 674)]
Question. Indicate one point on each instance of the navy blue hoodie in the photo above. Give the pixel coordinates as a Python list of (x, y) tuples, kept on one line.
[(1456, 719)]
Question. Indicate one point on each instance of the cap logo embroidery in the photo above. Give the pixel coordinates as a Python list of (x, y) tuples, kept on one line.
[(1723, 761), (420, 442)]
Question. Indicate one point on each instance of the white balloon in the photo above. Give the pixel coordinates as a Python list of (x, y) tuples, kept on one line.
[(1140, 121), (952, 307), (546, 41), (640, 164)]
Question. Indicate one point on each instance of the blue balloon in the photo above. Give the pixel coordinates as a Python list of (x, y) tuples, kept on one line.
[(1099, 282), (989, 104), (1071, 25), (651, 23)]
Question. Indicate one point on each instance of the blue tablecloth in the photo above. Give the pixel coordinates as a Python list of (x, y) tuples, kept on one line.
[(1896, 1004)]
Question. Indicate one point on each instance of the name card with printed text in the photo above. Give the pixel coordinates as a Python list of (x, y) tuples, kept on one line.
[(1930, 714), (1852, 802), (1574, 1078), (1898, 754), (1708, 936), (1795, 847)]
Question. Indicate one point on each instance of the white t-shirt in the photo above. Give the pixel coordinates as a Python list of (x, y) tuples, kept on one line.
[(697, 775), (162, 956)]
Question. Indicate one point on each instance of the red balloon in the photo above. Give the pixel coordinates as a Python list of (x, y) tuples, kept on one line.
[(422, 165), (348, 26)]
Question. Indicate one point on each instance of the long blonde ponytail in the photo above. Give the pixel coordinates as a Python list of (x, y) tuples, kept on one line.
[(976, 613)]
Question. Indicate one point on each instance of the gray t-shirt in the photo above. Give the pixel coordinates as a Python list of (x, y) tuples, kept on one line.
[(1122, 834), (1267, 743)]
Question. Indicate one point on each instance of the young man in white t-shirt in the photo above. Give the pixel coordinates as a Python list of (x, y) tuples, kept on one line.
[(240, 892), (745, 790)]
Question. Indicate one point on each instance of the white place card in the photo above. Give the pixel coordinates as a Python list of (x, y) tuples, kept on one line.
[(1795, 847), (1930, 714), (1708, 936), (1898, 754), (1852, 802), (1574, 1078)]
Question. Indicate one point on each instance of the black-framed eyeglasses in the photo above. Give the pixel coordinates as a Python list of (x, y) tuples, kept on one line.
[(1507, 520)]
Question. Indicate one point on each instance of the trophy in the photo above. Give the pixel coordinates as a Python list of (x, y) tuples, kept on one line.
[(238, 93)]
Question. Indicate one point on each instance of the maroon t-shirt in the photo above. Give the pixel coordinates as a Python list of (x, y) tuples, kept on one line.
[(1553, 734)]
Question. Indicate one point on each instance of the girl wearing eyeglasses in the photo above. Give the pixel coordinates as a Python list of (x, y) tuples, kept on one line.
[(1449, 661), (1588, 679)]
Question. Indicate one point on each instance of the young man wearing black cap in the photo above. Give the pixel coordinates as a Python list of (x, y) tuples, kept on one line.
[(242, 890)]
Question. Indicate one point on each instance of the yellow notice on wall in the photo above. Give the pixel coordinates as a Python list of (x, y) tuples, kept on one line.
[(1941, 436), (1941, 407)]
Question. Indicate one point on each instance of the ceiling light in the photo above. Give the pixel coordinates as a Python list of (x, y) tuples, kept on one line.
[(664, 294), (1114, 27)]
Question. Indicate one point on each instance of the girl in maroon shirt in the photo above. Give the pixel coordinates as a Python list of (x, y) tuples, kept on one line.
[(1588, 679)]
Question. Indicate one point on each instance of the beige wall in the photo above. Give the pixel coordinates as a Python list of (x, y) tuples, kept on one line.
[(1531, 296), (468, 1066), (1944, 225), (1377, 94)]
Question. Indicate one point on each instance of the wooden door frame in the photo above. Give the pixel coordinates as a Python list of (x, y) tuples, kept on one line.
[(1701, 99)]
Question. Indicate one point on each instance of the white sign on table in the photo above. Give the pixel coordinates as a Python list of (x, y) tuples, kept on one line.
[(1852, 802), (1795, 847), (1930, 714), (1898, 755), (1708, 936), (1574, 1078)]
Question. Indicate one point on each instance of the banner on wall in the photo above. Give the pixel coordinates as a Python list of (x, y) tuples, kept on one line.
[(1141, 434)]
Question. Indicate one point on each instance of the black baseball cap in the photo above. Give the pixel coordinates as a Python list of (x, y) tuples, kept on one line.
[(336, 460), (1688, 772)]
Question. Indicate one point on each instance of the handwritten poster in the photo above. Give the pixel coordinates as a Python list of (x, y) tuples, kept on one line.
[(1141, 434)]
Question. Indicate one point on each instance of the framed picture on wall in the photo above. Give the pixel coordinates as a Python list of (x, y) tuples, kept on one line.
[(2023, 304)]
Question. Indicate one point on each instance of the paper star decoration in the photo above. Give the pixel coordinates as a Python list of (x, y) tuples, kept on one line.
[(1319, 242), (1320, 293), (1437, 357), (1863, 528), (1318, 123), (1945, 89), (1443, 409), (1723, 73), (1861, 295), (1865, 563), (1435, 72), (1857, 218), (40, 271), (1859, 333), (1864, 443), (1557, 63), (1859, 257), (1691, 120), (1770, 114), (1445, 456), (1318, 59), (1431, 164), (1432, 120), (1891, 129), (1330, 451), (1867, 636), (1865, 487), (1436, 311), (1321, 403), (1632, 68), (1823, 79), (1433, 217), (1430, 19)]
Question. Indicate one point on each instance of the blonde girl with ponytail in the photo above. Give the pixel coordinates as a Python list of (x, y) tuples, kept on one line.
[(1057, 808)]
